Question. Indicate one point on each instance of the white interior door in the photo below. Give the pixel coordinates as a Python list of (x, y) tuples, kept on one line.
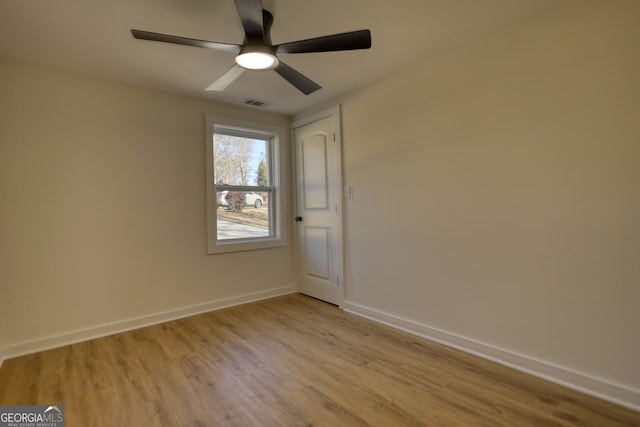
[(319, 207)]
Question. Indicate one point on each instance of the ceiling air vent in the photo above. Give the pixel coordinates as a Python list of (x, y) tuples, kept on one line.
[(255, 102)]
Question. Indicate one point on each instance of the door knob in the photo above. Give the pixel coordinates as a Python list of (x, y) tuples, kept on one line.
[(298, 219)]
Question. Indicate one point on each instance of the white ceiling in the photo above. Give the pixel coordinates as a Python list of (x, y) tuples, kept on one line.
[(93, 37)]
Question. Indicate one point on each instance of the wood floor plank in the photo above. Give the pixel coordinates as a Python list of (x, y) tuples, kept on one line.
[(288, 361)]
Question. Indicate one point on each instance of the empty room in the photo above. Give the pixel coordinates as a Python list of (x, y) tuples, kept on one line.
[(328, 213)]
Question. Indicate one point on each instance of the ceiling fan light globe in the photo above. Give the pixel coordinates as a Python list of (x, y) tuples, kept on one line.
[(257, 61)]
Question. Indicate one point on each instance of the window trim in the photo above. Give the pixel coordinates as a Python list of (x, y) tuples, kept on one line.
[(277, 135)]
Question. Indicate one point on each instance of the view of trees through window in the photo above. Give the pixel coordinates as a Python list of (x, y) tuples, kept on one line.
[(243, 186)]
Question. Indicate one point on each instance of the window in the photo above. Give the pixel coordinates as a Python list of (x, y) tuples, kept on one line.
[(244, 196)]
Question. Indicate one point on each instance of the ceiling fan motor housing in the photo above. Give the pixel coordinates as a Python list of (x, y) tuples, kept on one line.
[(258, 53)]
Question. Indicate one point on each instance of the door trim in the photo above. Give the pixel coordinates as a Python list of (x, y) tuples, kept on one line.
[(338, 251)]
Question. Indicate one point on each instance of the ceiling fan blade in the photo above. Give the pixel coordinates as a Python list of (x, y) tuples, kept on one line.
[(250, 13), (227, 78), (344, 41), (302, 83), (166, 38)]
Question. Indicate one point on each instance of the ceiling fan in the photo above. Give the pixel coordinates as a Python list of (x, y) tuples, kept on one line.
[(258, 53)]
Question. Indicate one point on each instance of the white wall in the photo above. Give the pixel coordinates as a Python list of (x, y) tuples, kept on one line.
[(102, 214), (497, 191)]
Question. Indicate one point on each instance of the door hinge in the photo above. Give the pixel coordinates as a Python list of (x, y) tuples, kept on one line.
[(334, 137)]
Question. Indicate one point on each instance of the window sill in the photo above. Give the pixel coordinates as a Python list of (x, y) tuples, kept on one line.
[(237, 245)]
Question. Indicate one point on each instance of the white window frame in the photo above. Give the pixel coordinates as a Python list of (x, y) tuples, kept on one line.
[(277, 135)]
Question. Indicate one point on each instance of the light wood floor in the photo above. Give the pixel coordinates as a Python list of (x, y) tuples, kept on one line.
[(288, 361)]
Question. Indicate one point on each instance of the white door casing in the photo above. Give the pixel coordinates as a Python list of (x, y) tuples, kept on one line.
[(319, 206)]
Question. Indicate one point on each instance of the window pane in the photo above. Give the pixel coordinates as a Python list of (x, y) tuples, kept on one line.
[(241, 160), (243, 214)]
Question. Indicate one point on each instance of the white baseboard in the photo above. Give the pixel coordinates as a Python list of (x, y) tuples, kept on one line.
[(48, 343), (606, 390)]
